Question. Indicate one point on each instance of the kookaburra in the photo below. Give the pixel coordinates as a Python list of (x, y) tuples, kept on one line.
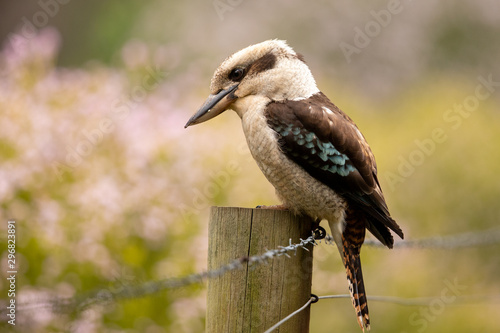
[(310, 151)]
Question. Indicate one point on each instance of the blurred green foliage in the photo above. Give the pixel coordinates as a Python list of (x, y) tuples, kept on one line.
[(109, 191)]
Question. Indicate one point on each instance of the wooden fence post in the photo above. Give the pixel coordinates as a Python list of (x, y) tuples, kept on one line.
[(255, 297)]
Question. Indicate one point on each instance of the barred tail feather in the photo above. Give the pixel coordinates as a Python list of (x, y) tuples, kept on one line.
[(352, 264)]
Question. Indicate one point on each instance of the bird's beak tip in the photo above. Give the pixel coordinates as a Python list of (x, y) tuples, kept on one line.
[(189, 123), (213, 106)]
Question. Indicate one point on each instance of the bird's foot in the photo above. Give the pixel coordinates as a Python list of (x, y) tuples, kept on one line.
[(275, 207)]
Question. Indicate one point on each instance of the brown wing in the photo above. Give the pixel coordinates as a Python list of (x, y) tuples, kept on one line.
[(323, 140)]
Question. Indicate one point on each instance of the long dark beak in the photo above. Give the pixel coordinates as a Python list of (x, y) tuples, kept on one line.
[(213, 106)]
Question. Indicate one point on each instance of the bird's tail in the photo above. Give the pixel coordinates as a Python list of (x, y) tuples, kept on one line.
[(352, 264)]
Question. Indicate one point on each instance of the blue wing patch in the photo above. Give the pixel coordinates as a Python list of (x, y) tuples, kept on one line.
[(319, 155)]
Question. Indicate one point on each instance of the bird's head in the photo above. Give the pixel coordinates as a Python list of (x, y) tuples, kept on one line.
[(269, 71)]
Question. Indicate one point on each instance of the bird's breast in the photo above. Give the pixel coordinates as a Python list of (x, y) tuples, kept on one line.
[(298, 190)]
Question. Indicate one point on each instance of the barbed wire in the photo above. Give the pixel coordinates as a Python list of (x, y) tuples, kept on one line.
[(129, 291), (470, 239), (463, 240), (103, 296), (312, 299), (417, 301)]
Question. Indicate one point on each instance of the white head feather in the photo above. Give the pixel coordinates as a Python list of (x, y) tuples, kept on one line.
[(273, 70)]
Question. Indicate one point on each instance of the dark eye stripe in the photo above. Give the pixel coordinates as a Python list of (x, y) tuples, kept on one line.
[(263, 64), (260, 65)]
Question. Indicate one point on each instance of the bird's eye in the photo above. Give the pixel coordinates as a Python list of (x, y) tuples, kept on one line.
[(236, 74)]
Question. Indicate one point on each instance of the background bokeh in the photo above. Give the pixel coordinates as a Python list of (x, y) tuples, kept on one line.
[(108, 190)]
